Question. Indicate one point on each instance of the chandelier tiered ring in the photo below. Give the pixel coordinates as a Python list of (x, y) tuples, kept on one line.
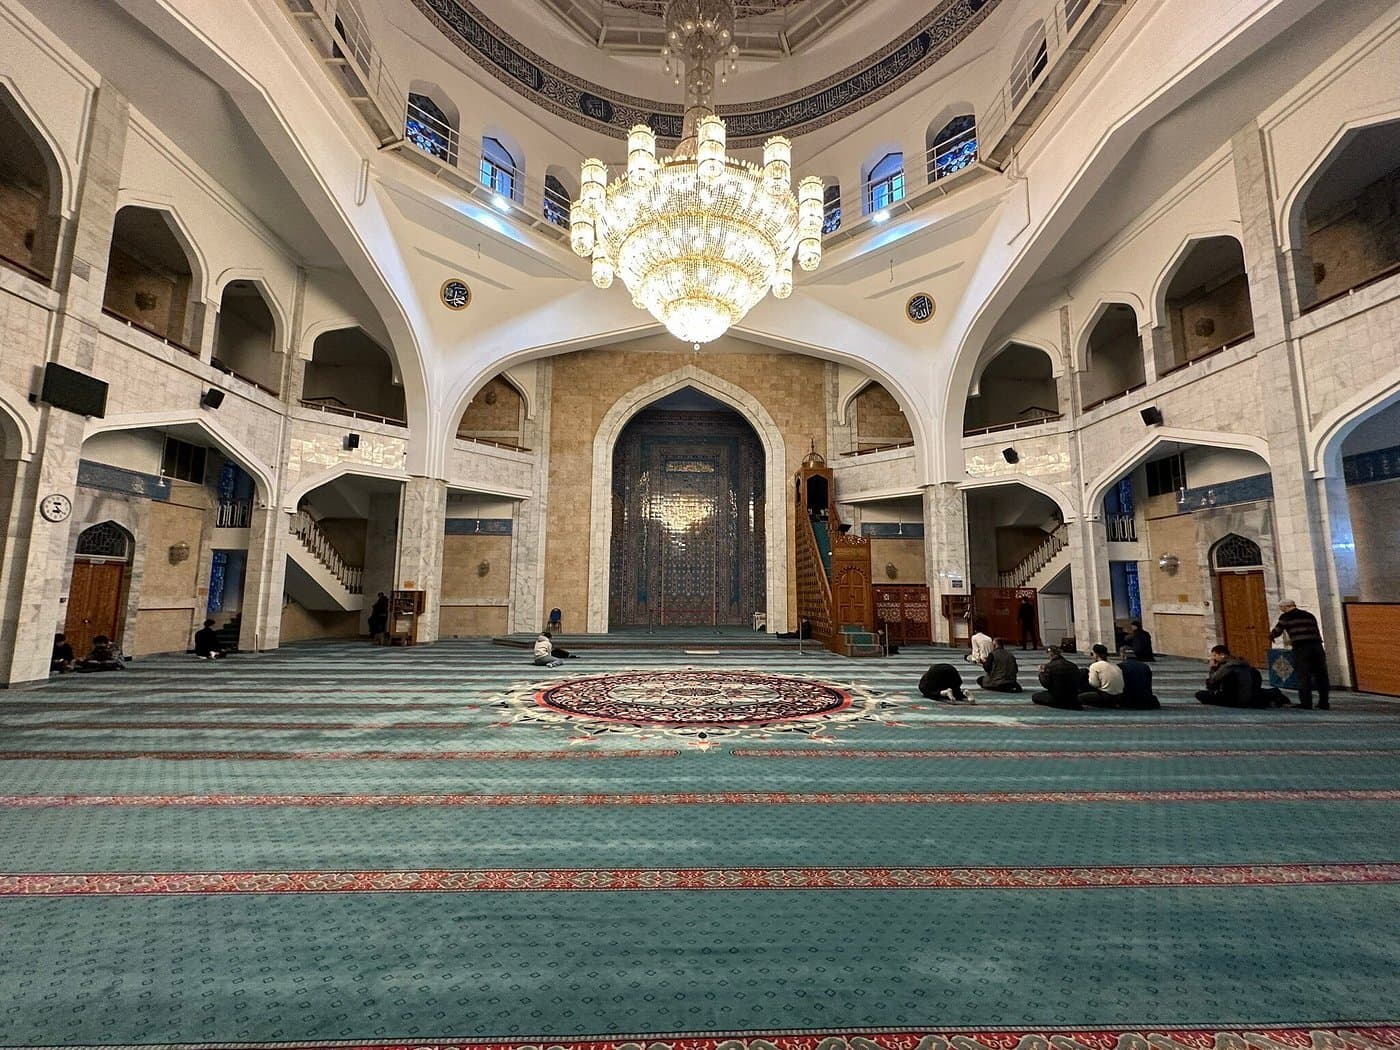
[(700, 237)]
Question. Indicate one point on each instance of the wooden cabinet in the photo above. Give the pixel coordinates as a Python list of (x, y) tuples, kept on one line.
[(904, 609)]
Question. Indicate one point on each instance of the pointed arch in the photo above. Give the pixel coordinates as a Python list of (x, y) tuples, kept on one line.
[(1157, 305), (1057, 360), (310, 484), (775, 483), (263, 475), (1293, 204), (280, 322), (1102, 304), (180, 228), (63, 187), (1332, 430), (1068, 511), (1096, 490), (19, 424)]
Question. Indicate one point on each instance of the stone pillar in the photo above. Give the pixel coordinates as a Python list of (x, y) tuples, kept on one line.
[(1160, 353), (381, 550), (1092, 589), (945, 550), (422, 526), (33, 570), (1299, 518), (265, 579), (529, 533)]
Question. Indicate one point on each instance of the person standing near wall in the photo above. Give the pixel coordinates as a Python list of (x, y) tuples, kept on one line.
[(1309, 656)]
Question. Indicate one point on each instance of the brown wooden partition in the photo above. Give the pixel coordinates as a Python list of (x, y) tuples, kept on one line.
[(1372, 628)]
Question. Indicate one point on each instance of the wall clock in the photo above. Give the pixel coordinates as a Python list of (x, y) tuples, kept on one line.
[(455, 294), (920, 307), (55, 507)]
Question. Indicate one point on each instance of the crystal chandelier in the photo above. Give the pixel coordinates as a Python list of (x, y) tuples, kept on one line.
[(698, 237)]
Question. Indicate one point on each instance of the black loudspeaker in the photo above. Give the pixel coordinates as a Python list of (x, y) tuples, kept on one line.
[(1010, 455), (1152, 416), (211, 398), (352, 442), (73, 391), (844, 528)]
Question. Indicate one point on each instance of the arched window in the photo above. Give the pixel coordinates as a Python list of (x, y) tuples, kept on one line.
[(953, 148), (1207, 299), (30, 192), (428, 127), (556, 201), (1236, 552), (498, 171), (150, 276), (831, 207), (1114, 358), (105, 540), (886, 183)]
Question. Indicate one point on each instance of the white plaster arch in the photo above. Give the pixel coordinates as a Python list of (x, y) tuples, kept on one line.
[(1100, 307), (775, 484), (1332, 430), (264, 476), (19, 423), (526, 397), (1094, 491), (199, 265), (843, 409), (512, 145), (306, 486), (1157, 310), (65, 189), (1063, 500), (1057, 361), (442, 99), (1290, 215), (306, 345), (281, 329)]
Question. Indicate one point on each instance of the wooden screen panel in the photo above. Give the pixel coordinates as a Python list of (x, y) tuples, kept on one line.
[(1371, 632), (1244, 612)]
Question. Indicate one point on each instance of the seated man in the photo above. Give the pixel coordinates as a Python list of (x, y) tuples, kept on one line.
[(1270, 697), (206, 643), (1105, 681), (981, 646), (1140, 641), (804, 630), (1061, 681), (104, 657), (61, 662), (1230, 682), (1001, 670), (1137, 683), (943, 682), (547, 654)]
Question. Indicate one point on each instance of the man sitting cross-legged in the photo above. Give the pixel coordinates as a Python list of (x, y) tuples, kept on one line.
[(1104, 680), (1001, 670), (1061, 681)]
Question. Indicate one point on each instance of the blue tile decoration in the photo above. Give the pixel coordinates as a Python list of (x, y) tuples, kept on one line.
[(1381, 465), (480, 526), (1241, 490), (816, 106), (118, 479), (892, 530)]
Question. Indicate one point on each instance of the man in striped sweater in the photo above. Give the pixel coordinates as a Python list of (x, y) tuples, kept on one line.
[(1309, 657)]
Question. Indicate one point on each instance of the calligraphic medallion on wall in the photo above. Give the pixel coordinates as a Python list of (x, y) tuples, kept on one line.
[(920, 308), (455, 294)]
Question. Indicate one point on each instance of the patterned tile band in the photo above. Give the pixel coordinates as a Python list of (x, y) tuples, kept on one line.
[(695, 798), (559, 880), (1262, 752), (330, 756)]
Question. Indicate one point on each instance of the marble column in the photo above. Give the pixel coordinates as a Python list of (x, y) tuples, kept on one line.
[(381, 550), (529, 532), (34, 566), (265, 580), (1092, 589), (422, 527), (945, 550)]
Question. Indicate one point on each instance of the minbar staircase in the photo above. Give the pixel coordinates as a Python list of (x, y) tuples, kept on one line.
[(834, 592), (1042, 564)]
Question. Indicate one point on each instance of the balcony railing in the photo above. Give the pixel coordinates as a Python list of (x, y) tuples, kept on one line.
[(233, 514), (304, 527), (344, 33), (1015, 424), (1122, 528), (951, 156), (131, 322), (353, 413), (1042, 555)]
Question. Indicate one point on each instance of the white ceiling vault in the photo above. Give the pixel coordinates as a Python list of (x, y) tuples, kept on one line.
[(510, 44), (767, 28)]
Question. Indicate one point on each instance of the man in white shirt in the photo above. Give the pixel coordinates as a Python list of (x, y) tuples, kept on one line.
[(547, 654), (1105, 681), (981, 647)]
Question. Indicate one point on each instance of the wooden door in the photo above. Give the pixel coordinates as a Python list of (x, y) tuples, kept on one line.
[(1244, 615), (94, 603)]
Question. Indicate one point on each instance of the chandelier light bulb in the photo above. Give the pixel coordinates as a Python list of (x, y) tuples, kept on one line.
[(602, 270), (777, 165), (709, 150), (641, 154)]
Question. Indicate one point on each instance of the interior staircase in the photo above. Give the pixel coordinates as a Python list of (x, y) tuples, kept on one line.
[(834, 593), (1045, 561), (318, 576)]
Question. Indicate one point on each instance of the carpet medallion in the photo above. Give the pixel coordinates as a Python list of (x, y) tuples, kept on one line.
[(699, 703)]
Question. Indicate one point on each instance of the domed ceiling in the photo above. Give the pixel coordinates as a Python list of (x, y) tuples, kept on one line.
[(599, 108)]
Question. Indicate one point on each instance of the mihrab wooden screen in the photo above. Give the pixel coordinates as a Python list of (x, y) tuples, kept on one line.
[(688, 530)]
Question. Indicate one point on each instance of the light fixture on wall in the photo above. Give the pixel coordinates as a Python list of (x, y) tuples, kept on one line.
[(891, 570), (484, 568), (179, 552), (1169, 563)]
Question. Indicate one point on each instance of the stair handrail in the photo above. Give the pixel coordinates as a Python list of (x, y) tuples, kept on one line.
[(1041, 555), (315, 540), (815, 609)]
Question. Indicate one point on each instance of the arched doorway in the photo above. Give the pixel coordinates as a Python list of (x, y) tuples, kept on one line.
[(689, 535), (1238, 565), (98, 588)]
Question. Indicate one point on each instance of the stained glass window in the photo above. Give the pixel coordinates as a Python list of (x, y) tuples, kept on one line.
[(1236, 552), (218, 579), (953, 148), (556, 201), (831, 209), (105, 540), (428, 128)]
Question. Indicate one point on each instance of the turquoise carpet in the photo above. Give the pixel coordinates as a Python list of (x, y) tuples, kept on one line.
[(341, 845)]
